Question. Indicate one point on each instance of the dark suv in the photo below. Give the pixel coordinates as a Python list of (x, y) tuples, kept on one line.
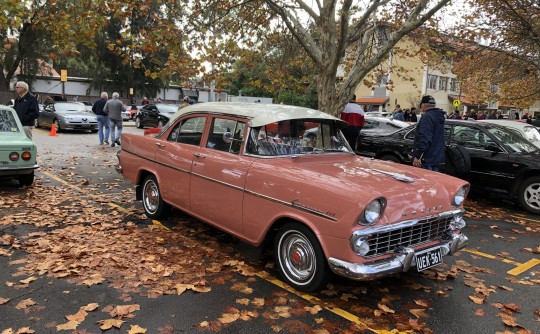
[(501, 158)]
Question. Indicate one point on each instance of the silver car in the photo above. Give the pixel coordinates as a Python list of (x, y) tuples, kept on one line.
[(66, 116)]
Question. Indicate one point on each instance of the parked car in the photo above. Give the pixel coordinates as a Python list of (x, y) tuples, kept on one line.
[(66, 116), (18, 153), (133, 111), (250, 170), (126, 115), (501, 159), (154, 115), (375, 126), (526, 130)]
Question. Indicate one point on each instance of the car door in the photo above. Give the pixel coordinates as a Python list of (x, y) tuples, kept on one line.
[(47, 115), (219, 175), (489, 160), (174, 159), (152, 116)]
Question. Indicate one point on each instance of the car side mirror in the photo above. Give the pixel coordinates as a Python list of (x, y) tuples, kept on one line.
[(493, 147)]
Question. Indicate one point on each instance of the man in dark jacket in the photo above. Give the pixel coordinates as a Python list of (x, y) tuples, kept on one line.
[(26, 106), (102, 118), (429, 145)]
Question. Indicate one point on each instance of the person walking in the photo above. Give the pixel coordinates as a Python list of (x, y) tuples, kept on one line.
[(354, 115), (398, 114), (102, 118), (428, 151), (26, 106), (114, 109)]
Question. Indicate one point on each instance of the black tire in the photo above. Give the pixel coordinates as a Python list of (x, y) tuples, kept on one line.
[(300, 259), (26, 179), (153, 203), (138, 123), (57, 125), (529, 195), (390, 157)]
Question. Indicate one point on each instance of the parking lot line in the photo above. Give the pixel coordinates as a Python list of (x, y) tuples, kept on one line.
[(337, 311), (520, 267)]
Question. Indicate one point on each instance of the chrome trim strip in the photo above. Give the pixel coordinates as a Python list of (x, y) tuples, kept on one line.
[(15, 168), (217, 181), (406, 223)]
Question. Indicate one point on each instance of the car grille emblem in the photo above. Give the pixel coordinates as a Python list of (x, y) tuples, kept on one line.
[(85, 120)]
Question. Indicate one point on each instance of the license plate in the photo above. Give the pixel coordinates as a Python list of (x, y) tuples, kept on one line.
[(428, 259), (85, 125)]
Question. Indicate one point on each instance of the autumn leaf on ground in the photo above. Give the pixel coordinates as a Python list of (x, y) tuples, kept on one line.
[(421, 302), (512, 307), (419, 312), (259, 302), (242, 301), (68, 326), (94, 279), (25, 303), (479, 312), (77, 317), (385, 308), (136, 330), (90, 307), (498, 236), (28, 280), (477, 300), (110, 323), (124, 310), (508, 320), (228, 318), (3, 300), (25, 330)]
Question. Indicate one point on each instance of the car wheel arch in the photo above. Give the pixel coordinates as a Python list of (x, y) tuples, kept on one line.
[(143, 174)]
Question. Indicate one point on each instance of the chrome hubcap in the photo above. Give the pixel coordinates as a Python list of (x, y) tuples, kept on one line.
[(297, 256), (532, 195), (151, 196)]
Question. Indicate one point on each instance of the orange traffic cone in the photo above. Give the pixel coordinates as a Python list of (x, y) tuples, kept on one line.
[(53, 131)]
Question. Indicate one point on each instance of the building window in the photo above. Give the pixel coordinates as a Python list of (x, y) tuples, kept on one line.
[(454, 86), (443, 83), (432, 81)]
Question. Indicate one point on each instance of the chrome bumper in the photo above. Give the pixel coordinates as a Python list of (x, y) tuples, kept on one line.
[(118, 169), (402, 261), (17, 170)]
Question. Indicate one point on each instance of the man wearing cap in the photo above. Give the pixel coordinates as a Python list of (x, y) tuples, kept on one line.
[(428, 151)]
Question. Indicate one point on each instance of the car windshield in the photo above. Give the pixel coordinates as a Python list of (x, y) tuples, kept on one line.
[(167, 109), (298, 136), (68, 108), (513, 140), (532, 134), (7, 121)]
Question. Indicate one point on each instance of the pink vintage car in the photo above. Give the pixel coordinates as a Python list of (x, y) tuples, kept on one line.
[(284, 175)]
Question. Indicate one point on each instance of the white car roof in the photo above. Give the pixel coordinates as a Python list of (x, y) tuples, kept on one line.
[(259, 114), (390, 120), (531, 133), (508, 123)]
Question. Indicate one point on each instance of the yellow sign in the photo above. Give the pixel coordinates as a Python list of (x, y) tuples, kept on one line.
[(456, 103), (63, 75), (131, 91)]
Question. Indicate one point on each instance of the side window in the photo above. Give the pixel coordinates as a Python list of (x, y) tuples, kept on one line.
[(447, 133), (188, 131), (469, 137), (226, 135)]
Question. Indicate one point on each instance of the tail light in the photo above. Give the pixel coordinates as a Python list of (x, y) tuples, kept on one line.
[(14, 156), (26, 156)]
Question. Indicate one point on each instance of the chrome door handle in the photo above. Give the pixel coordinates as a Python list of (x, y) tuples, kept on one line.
[(198, 155), (160, 145)]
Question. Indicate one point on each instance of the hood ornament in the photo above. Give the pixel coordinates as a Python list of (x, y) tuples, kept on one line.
[(397, 176)]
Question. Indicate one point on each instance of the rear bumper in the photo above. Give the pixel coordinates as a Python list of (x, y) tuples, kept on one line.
[(402, 261), (19, 170)]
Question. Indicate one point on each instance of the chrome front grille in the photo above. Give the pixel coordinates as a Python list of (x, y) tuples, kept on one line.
[(422, 231)]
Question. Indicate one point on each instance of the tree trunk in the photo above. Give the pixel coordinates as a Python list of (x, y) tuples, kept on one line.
[(327, 96)]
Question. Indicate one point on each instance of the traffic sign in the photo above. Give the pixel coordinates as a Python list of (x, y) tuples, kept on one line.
[(63, 75), (456, 103)]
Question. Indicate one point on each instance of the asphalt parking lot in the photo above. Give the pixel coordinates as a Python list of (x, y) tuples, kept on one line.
[(79, 256)]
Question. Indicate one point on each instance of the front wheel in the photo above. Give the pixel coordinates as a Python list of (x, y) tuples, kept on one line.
[(56, 124), (529, 195), (153, 203), (26, 179), (300, 259), (138, 123)]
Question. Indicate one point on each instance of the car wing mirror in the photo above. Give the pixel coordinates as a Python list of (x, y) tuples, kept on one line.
[(493, 147)]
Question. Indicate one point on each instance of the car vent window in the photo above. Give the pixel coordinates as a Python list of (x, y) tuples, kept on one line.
[(226, 135), (7, 122), (188, 131)]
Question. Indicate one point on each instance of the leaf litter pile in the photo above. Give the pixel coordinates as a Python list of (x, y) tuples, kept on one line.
[(79, 238)]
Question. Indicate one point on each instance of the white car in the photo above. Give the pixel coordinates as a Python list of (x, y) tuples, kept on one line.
[(527, 130), (382, 125)]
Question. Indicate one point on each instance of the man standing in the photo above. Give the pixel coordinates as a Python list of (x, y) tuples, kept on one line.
[(354, 115), (398, 114), (428, 151), (26, 106), (114, 109), (102, 118)]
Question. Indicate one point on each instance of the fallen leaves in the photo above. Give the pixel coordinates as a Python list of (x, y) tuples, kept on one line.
[(25, 303)]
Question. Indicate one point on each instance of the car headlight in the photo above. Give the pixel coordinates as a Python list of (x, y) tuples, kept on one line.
[(460, 196), (69, 119), (360, 245), (372, 212)]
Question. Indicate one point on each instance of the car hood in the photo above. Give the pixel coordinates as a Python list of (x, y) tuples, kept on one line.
[(350, 182), (78, 115)]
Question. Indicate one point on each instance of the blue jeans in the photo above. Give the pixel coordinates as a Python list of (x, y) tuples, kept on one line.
[(434, 168), (118, 124), (103, 121)]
